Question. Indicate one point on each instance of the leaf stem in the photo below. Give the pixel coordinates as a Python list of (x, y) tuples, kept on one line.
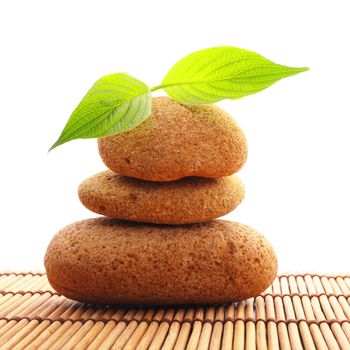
[(158, 87)]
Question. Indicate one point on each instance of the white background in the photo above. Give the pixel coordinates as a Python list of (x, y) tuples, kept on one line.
[(297, 175)]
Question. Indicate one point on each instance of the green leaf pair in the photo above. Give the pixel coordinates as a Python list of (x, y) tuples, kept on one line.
[(118, 102)]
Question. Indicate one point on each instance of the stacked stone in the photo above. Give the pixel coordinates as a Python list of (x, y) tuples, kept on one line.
[(159, 241)]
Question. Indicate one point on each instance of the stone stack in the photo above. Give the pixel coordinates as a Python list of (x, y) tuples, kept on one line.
[(159, 241)]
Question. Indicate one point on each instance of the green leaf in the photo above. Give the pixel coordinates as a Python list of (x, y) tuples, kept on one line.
[(218, 73), (115, 103)]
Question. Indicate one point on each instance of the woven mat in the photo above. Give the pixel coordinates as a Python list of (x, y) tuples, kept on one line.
[(296, 312)]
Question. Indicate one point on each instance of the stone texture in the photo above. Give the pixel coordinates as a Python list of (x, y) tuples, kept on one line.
[(188, 200), (105, 260), (177, 141)]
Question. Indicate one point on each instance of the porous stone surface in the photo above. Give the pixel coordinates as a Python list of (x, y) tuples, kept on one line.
[(105, 260), (188, 200), (177, 141)]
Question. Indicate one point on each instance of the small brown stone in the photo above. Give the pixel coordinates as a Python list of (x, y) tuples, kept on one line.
[(188, 200), (177, 141)]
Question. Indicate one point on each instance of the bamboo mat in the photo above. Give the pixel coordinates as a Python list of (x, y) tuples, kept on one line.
[(296, 312)]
